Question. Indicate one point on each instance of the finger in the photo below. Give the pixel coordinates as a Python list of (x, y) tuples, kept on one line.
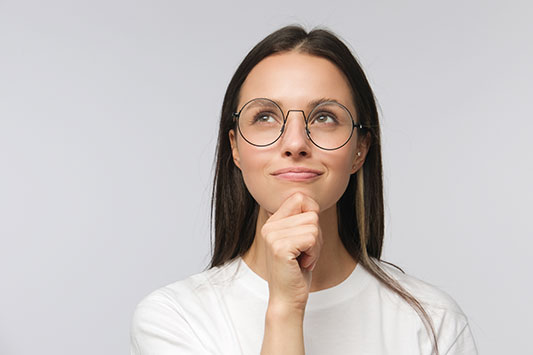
[(291, 221), (296, 247), (290, 232), (309, 257), (309, 249), (304, 244), (295, 204)]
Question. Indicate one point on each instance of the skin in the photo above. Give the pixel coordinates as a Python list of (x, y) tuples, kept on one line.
[(297, 221)]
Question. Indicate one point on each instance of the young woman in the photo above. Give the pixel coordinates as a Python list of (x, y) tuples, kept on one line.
[(298, 218)]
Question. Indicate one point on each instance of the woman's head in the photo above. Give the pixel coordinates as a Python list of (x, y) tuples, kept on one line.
[(296, 80), (294, 68)]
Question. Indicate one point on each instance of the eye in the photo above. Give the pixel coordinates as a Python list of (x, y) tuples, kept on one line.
[(265, 117), (324, 118)]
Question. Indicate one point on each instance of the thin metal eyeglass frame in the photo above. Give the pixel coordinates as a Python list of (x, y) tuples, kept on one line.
[(236, 116)]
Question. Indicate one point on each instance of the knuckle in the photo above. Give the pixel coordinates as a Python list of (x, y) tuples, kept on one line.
[(278, 248), (313, 216), (264, 230), (270, 237)]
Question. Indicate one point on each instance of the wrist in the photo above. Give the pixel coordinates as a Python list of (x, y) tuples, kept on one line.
[(283, 312)]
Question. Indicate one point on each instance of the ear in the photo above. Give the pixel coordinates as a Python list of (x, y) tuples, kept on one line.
[(234, 149), (362, 146)]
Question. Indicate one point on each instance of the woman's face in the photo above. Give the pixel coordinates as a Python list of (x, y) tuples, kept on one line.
[(293, 80)]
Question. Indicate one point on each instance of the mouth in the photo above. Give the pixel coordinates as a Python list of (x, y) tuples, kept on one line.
[(297, 174)]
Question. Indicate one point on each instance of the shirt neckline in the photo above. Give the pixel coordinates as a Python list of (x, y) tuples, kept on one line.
[(329, 297)]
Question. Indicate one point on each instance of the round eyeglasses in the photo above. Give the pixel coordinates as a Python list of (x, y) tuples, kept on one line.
[(261, 122)]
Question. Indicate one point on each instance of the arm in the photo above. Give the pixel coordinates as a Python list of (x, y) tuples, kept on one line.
[(283, 332), (293, 241)]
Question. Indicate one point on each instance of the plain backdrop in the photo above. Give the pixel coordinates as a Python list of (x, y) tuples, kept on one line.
[(108, 123)]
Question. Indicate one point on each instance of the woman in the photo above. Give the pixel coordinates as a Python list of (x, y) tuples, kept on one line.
[(298, 207)]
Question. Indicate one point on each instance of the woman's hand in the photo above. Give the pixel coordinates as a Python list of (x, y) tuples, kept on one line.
[(293, 241)]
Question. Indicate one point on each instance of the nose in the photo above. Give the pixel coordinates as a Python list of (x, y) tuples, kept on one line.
[(294, 141)]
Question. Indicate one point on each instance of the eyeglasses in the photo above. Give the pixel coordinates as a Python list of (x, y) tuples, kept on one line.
[(261, 122)]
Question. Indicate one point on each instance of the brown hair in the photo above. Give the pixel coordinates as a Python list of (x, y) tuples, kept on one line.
[(360, 208)]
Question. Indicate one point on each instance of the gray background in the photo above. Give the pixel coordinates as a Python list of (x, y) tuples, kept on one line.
[(108, 122)]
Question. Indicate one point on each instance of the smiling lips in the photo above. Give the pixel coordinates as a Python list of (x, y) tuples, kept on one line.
[(297, 174)]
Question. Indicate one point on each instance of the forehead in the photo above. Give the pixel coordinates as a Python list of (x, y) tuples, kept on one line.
[(295, 79)]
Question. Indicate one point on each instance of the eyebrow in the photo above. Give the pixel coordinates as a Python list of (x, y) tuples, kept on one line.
[(312, 103), (321, 100)]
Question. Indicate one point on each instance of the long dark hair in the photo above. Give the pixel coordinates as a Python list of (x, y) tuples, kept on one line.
[(360, 208)]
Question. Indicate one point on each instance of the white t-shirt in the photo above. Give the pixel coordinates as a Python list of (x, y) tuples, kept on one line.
[(222, 311)]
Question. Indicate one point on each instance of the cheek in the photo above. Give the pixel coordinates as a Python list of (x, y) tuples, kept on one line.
[(252, 160), (341, 163), (339, 171), (254, 165)]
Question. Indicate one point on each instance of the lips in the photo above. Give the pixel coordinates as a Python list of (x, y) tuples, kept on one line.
[(297, 173)]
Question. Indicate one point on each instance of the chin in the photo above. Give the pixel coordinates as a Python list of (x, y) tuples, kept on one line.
[(272, 201)]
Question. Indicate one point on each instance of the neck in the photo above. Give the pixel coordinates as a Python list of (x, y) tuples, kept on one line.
[(334, 265)]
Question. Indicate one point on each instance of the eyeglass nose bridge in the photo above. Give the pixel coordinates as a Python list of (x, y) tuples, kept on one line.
[(286, 117)]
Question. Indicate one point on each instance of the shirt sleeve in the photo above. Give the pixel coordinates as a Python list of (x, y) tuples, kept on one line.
[(159, 328), (464, 344)]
